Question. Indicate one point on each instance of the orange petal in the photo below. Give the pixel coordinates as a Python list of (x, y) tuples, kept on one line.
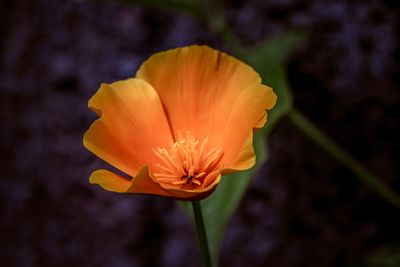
[(141, 183), (240, 125), (109, 181), (132, 123), (245, 159), (213, 95), (211, 182)]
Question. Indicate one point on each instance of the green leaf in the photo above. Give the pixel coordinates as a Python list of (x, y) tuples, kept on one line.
[(277, 80), (269, 58), (386, 256), (268, 54)]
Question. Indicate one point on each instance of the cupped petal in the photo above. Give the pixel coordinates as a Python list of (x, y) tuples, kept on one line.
[(132, 123), (214, 96), (209, 185), (240, 125), (243, 160), (141, 183)]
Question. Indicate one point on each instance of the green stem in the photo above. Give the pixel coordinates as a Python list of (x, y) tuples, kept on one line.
[(201, 234), (216, 21), (343, 157)]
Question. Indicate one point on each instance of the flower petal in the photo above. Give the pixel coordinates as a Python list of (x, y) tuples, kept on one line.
[(210, 183), (240, 125), (132, 123), (213, 95), (141, 183), (109, 181)]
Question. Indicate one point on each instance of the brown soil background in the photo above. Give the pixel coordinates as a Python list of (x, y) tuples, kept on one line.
[(303, 209)]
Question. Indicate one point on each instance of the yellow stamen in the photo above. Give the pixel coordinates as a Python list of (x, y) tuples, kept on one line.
[(187, 162)]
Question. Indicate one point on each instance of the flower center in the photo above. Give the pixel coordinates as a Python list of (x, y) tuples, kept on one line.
[(187, 163)]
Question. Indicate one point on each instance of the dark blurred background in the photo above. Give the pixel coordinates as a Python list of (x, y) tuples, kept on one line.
[(304, 209)]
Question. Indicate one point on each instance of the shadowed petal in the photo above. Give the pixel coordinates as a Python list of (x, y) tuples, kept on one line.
[(141, 183), (210, 184), (132, 123), (109, 181)]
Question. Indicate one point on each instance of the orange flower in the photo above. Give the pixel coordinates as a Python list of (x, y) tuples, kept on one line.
[(186, 119)]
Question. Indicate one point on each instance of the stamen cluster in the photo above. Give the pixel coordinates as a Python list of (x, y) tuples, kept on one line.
[(187, 163)]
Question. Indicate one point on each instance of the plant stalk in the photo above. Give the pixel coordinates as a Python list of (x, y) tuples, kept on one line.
[(201, 234), (343, 157)]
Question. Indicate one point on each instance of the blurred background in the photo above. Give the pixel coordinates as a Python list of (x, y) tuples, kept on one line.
[(302, 209)]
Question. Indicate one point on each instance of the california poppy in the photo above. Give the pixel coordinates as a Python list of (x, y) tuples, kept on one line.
[(186, 119)]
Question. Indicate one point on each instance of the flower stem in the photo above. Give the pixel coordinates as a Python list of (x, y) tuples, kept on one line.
[(343, 157), (201, 234)]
